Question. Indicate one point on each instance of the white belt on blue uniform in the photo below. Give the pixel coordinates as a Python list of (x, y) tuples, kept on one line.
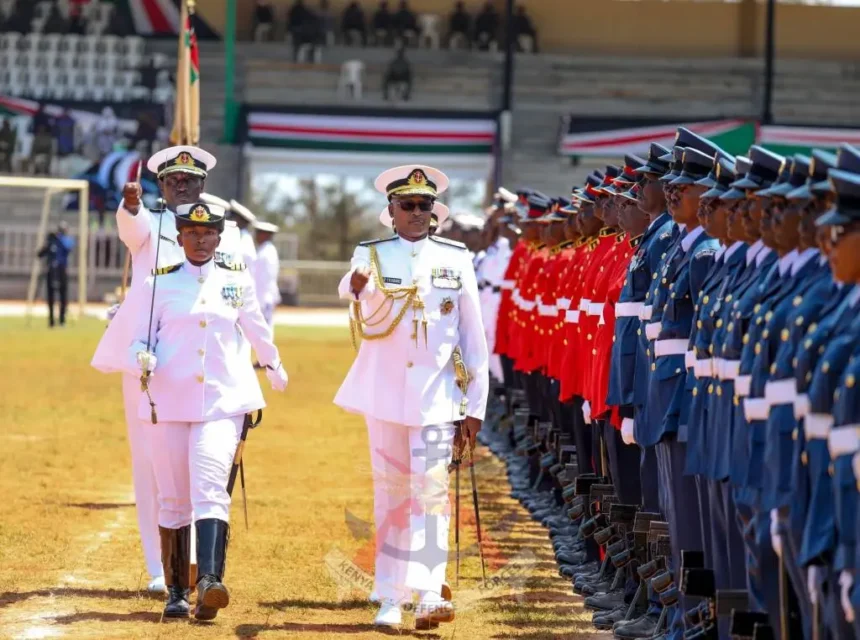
[(646, 311), (690, 359), (628, 309), (727, 369), (704, 368), (742, 385), (843, 440), (756, 409), (817, 426), (670, 347), (780, 391), (653, 329)]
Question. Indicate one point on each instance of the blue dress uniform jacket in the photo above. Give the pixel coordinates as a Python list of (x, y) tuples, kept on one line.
[(204, 321), (789, 323), (736, 337), (647, 430), (843, 443), (819, 534), (702, 370), (628, 352), (677, 321)]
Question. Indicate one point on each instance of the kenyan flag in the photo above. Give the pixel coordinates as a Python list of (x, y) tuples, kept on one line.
[(161, 17), (186, 122)]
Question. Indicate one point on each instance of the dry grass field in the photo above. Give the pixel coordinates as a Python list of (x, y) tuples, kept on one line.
[(70, 560)]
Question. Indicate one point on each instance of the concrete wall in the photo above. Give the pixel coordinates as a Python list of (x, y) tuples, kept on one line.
[(650, 27)]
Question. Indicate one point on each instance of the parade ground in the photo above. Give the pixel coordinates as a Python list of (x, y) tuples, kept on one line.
[(70, 558)]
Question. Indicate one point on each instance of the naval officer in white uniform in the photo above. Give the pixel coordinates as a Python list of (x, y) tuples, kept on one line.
[(202, 385), (267, 268), (181, 173), (415, 308)]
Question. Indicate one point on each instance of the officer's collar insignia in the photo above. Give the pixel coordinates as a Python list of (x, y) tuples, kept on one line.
[(200, 213), (635, 242), (232, 294), (447, 306)]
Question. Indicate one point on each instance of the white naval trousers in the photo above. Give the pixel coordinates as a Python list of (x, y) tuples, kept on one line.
[(410, 507), (192, 465), (143, 477), (268, 313)]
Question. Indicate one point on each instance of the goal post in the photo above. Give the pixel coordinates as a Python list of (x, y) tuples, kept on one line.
[(53, 186)]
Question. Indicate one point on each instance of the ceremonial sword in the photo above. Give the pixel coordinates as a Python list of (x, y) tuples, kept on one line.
[(238, 464)]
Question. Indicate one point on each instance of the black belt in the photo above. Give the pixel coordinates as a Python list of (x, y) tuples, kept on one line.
[(496, 289)]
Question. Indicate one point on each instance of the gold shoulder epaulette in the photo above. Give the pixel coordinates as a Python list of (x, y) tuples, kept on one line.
[(232, 266), (165, 270)]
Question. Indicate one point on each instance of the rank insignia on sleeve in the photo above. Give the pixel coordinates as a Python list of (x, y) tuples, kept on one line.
[(232, 294), (447, 306)]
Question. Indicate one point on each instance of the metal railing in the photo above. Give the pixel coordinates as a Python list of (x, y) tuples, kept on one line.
[(302, 282)]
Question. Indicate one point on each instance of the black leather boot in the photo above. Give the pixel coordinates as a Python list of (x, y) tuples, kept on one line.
[(212, 535), (176, 558)]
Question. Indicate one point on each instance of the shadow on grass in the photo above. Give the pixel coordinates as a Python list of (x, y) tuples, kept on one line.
[(582, 634), (11, 597), (534, 596), (344, 605), (253, 630), (100, 616), (100, 506)]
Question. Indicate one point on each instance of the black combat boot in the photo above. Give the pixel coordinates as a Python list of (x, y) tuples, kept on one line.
[(212, 595), (176, 558)]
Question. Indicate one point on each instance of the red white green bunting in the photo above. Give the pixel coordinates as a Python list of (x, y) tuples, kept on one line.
[(735, 136), (379, 134), (790, 140)]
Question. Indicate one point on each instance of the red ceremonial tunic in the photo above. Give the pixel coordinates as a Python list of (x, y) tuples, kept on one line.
[(524, 343), (567, 285), (504, 322)]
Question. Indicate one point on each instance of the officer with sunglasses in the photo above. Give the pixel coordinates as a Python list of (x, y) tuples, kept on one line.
[(420, 379)]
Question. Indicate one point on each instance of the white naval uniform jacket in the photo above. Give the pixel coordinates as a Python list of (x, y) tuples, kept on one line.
[(140, 235), (203, 319), (395, 380)]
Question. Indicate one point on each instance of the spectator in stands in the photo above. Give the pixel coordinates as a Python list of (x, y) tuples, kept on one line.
[(41, 119), (487, 27), (264, 20), (309, 36), (55, 23), (405, 24), (147, 130), (297, 18), (42, 153), (398, 76), (459, 27), (107, 130), (8, 139), (352, 23), (382, 24), (326, 22), (65, 130), (526, 36)]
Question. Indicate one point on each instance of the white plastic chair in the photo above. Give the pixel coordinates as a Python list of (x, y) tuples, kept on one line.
[(51, 42), (40, 85), (139, 92), (65, 8), (69, 43), (42, 10), (351, 73), (37, 25), (428, 23), (162, 95), (160, 60), (10, 41), (5, 76), (80, 85), (20, 82), (40, 61), (134, 46), (31, 42), (96, 28)]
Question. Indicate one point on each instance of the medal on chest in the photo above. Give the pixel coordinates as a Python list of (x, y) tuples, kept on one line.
[(232, 295)]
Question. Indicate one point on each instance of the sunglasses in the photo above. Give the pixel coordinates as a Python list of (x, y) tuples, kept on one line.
[(410, 205)]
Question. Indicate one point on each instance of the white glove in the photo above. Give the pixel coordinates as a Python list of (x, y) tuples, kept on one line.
[(813, 580), (277, 377), (146, 361), (846, 581), (775, 538), (586, 412), (627, 431), (112, 312)]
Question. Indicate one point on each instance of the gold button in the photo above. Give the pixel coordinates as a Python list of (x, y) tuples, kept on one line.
[(707, 299), (719, 391), (765, 334), (638, 332), (710, 388), (199, 378), (409, 365), (804, 458), (784, 335), (794, 435), (200, 352), (719, 323), (799, 321), (825, 367), (849, 381), (589, 336), (202, 324), (594, 352), (729, 298), (201, 279), (653, 367), (648, 352), (695, 391)]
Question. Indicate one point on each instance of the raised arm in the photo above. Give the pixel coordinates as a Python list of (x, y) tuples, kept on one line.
[(133, 220)]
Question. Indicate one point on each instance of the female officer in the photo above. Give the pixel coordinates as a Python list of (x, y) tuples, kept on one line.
[(196, 349)]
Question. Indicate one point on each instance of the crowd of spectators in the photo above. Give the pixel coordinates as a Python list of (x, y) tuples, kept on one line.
[(314, 27), (69, 16)]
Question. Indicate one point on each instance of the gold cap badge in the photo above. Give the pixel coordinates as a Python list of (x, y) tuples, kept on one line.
[(199, 214)]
